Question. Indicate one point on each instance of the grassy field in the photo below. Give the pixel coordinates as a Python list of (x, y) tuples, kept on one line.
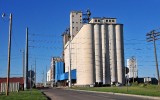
[(148, 90), (24, 95)]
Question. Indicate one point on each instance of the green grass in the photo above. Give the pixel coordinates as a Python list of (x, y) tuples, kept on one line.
[(24, 95), (149, 90)]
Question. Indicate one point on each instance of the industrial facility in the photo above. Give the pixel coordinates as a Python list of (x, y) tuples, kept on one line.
[(133, 68), (93, 51)]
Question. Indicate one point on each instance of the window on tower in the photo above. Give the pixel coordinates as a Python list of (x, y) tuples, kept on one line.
[(76, 28)]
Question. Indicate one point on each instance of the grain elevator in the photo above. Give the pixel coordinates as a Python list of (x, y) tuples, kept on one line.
[(95, 50)]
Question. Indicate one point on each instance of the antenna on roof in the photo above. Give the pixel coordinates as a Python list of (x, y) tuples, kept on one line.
[(87, 15)]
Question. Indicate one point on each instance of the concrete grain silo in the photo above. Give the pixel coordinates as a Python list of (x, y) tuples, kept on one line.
[(113, 58), (120, 53), (85, 69), (103, 30), (98, 53), (105, 54), (108, 69)]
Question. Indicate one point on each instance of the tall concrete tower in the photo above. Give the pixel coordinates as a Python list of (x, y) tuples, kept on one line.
[(132, 65), (75, 22)]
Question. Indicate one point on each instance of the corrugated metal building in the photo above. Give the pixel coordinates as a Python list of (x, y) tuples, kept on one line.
[(13, 80), (60, 74), (59, 69)]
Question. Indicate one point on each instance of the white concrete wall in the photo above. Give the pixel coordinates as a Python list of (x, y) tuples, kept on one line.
[(66, 56), (73, 51), (99, 20)]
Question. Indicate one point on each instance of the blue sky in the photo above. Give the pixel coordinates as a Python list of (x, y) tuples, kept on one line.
[(49, 18)]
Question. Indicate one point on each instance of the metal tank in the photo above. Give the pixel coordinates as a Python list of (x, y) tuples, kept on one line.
[(85, 57), (98, 54), (112, 48), (120, 53)]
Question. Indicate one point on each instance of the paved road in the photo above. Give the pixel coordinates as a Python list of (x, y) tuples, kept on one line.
[(64, 94)]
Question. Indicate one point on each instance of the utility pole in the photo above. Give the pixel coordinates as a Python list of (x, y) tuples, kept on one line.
[(46, 75), (126, 77), (9, 54), (35, 73), (26, 64), (69, 69), (67, 31), (43, 77), (23, 65), (31, 77), (133, 65), (153, 36)]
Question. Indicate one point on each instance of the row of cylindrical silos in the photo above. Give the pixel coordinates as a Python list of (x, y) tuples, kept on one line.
[(109, 53), (98, 54)]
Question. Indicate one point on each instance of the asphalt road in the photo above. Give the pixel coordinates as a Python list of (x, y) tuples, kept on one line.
[(65, 94)]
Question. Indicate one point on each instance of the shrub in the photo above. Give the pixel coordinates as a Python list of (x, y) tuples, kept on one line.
[(135, 83)]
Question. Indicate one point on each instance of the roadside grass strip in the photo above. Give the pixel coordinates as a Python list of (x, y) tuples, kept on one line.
[(24, 95), (148, 90)]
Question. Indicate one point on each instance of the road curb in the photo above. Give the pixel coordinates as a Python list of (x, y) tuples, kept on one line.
[(48, 98), (132, 95)]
